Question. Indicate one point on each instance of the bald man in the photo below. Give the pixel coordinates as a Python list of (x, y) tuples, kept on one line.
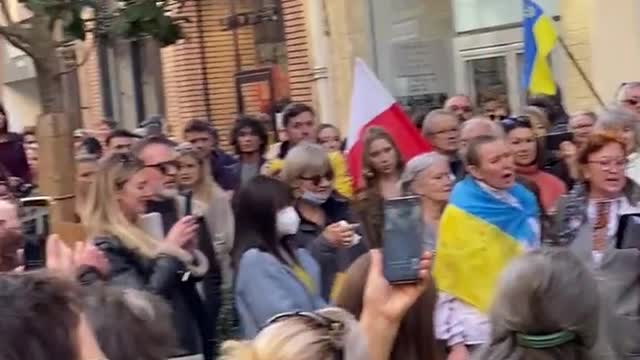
[(10, 236), (461, 106), (476, 127)]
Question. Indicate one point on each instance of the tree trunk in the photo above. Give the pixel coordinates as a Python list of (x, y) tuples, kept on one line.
[(54, 133)]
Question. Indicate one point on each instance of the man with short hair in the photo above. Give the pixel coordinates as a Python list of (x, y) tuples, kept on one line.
[(441, 129), (461, 106), (300, 123), (10, 236), (204, 139), (476, 127), (629, 96), (119, 141)]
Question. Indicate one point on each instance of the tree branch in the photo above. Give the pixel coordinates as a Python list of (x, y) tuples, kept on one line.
[(85, 57), (17, 38)]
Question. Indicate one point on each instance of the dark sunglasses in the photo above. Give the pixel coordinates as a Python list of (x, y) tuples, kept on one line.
[(494, 117), (511, 123), (166, 167), (317, 179), (335, 329)]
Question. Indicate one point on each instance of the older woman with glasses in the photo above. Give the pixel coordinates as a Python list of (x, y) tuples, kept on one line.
[(327, 227), (587, 221), (625, 123), (522, 140), (430, 177)]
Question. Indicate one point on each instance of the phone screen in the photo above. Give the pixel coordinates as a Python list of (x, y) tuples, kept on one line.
[(402, 239), (35, 230)]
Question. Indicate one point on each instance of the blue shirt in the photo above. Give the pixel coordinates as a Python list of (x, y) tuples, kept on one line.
[(265, 287)]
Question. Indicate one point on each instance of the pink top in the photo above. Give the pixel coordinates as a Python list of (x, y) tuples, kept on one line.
[(550, 186)]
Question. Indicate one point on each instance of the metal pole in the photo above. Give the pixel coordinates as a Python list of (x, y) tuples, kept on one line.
[(578, 67), (238, 60)]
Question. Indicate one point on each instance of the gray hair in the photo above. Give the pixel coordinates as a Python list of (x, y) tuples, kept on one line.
[(305, 159), (622, 90), (489, 128), (618, 118), (417, 165), (482, 121), (432, 117), (540, 293)]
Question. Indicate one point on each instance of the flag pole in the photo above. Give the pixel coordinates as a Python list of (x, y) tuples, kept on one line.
[(578, 67)]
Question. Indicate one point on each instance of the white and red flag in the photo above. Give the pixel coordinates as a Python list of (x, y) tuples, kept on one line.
[(373, 105)]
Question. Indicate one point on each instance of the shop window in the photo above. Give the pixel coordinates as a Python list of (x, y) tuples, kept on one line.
[(480, 14)]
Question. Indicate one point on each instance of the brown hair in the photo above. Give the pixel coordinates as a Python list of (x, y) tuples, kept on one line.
[(40, 316), (130, 324), (596, 142), (415, 339), (372, 134)]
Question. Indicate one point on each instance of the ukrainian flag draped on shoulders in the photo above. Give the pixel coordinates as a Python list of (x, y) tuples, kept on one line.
[(479, 235), (540, 37)]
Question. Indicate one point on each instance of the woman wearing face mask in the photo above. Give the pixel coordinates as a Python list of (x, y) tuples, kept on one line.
[(524, 145), (588, 220), (490, 219), (273, 275), (327, 228)]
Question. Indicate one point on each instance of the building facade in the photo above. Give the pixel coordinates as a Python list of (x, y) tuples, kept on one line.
[(244, 55)]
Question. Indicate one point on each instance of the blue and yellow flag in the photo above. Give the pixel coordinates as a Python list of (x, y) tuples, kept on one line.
[(539, 39), (478, 237)]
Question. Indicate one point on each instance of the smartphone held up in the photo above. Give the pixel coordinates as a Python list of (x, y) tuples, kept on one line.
[(402, 238)]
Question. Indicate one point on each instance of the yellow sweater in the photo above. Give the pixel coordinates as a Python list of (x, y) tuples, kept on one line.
[(341, 179)]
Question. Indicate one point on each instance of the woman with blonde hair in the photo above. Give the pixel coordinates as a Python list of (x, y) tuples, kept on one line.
[(546, 308), (212, 202), (167, 267)]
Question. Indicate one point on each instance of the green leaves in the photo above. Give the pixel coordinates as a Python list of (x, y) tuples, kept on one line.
[(129, 18), (146, 18)]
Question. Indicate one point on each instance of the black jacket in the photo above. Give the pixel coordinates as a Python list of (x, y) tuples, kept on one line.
[(212, 280), (166, 275), (332, 260)]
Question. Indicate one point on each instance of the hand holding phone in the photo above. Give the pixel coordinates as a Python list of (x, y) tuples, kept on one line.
[(391, 301), (183, 232), (553, 141)]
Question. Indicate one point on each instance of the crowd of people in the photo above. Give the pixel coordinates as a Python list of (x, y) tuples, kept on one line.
[(270, 253)]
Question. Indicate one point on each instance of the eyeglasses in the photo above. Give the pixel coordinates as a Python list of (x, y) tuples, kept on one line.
[(317, 179), (608, 164), (511, 123), (166, 167), (451, 131), (335, 329)]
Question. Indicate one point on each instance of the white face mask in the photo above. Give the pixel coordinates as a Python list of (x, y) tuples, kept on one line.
[(287, 221), (315, 198)]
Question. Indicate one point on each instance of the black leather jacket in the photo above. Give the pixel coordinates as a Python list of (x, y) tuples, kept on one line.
[(166, 275)]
